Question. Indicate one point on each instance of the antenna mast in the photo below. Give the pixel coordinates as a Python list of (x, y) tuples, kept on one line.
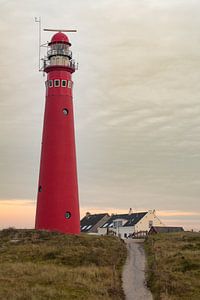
[(38, 20)]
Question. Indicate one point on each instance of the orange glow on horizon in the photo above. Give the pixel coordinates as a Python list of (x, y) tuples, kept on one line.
[(17, 213), (20, 213)]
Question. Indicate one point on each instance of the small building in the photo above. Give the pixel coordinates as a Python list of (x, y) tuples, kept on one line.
[(90, 223), (164, 229), (126, 225)]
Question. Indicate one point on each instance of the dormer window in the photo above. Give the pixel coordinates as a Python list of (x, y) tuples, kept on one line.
[(117, 223)]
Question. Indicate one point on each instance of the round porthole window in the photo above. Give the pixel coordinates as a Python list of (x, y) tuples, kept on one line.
[(65, 111), (67, 215)]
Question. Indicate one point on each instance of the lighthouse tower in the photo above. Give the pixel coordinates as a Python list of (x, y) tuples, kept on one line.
[(57, 201)]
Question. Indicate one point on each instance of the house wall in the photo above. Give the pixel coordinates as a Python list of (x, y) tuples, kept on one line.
[(142, 225), (102, 231), (124, 232)]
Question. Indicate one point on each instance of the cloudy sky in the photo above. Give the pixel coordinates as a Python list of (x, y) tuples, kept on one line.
[(136, 98)]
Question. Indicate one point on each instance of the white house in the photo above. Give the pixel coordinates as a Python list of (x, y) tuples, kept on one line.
[(124, 225)]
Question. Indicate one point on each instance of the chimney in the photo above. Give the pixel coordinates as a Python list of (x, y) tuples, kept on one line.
[(87, 214), (130, 211)]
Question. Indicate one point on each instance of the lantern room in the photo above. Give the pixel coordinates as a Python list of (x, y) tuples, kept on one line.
[(58, 53)]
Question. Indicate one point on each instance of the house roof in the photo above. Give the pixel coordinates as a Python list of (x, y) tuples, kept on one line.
[(166, 229), (91, 220), (131, 219)]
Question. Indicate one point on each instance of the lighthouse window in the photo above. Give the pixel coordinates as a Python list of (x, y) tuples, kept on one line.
[(56, 83), (40, 188), (69, 84), (67, 215), (50, 83), (64, 83), (65, 111)]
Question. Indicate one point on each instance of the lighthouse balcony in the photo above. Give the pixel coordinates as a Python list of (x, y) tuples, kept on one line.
[(71, 64), (60, 52)]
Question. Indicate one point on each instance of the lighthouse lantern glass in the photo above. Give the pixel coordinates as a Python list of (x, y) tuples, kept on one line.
[(59, 49)]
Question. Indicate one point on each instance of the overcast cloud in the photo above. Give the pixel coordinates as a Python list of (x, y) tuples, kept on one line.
[(136, 97)]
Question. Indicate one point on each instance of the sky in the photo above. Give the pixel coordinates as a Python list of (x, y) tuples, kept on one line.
[(136, 99)]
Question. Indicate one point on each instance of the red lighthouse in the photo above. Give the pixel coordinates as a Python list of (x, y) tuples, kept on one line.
[(57, 201)]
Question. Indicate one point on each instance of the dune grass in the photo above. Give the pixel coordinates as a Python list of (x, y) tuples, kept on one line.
[(174, 265), (41, 265)]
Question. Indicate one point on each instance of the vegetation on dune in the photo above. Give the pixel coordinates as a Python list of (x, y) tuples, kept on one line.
[(42, 265), (174, 265)]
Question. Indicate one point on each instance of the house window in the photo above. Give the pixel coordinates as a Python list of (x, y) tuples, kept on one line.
[(56, 82), (69, 84), (84, 227), (89, 227), (150, 223), (64, 83), (105, 225), (125, 235), (50, 83)]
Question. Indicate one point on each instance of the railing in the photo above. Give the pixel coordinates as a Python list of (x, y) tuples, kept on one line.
[(71, 64), (62, 52), (139, 234)]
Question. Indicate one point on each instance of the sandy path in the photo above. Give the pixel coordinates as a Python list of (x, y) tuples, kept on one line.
[(134, 272)]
